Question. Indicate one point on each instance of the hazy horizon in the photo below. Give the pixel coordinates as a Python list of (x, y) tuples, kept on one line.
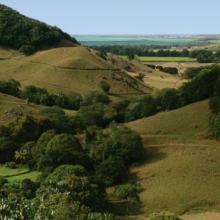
[(153, 17)]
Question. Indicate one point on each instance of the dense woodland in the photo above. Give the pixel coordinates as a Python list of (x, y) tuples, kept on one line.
[(26, 34)]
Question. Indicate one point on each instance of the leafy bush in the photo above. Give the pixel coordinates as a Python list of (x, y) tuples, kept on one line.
[(171, 70), (63, 171), (10, 87), (129, 192), (168, 99), (7, 149), (105, 87), (163, 216), (140, 107), (95, 97), (111, 171), (3, 181)]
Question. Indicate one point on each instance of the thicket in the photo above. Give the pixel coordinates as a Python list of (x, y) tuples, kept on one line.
[(26, 34)]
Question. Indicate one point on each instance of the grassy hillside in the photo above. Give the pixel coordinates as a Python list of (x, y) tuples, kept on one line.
[(183, 172), (68, 69)]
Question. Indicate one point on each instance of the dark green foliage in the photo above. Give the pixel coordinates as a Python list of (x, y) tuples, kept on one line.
[(171, 70), (3, 181), (201, 87), (215, 100), (105, 87), (192, 72), (62, 149), (63, 171), (168, 99), (18, 31), (95, 97), (140, 107), (89, 116), (57, 118), (28, 188), (7, 149), (10, 87), (129, 192), (111, 171), (42, 96), (118, 142), (215, 125), (28, 128)]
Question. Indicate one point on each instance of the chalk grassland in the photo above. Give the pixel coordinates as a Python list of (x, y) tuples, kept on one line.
[(75, 69), (181, 171)]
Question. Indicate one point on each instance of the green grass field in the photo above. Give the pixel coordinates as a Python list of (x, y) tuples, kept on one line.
[(18, 174), (167, 59)]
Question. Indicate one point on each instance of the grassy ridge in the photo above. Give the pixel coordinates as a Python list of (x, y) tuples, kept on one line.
[(167, 59), (183, 174)]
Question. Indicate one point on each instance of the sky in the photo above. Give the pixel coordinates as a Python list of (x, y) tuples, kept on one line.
[(135, 17)]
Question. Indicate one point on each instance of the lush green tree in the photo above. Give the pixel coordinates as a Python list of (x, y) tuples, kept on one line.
[(7, 149), (140, 107), (11, 87), (168, 99), (129, 192), (63, 171), (111, 171), (95, 97)]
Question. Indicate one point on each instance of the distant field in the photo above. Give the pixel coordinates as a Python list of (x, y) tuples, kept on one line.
[(167, 59), (18, 173)]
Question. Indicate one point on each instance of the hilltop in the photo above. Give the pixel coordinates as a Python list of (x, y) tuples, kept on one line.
[(20, 32)]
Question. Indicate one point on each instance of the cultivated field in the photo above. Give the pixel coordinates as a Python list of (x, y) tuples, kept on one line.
[(166, 59)]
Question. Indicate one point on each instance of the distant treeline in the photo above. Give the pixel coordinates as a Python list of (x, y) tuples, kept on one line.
[(26, 34), (203, 56)]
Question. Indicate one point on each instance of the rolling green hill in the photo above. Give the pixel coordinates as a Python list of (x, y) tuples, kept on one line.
[(182, 174), (67, 69)]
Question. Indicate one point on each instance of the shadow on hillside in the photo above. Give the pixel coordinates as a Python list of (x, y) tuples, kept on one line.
[(152, 155)]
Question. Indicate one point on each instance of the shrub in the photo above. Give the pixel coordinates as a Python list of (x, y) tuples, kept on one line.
[(171, 70), (63, 171), (111, 171), (163, 216), (105, 87), (3, 181), (10, 87), (27, 49), (168, 99), (62, 149), (140, 107), (7, 149), (95, 97), (129, 192), (119, 142)]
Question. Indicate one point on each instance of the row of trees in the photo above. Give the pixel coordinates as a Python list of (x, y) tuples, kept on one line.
[(28, 35), (202, 56)]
